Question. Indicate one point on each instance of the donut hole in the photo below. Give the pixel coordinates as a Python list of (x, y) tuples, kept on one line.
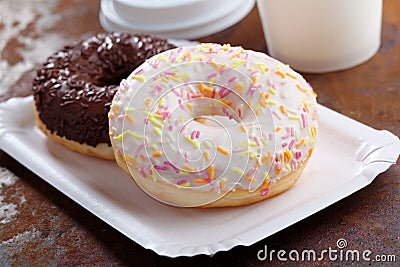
[(112, 78), (219, 112), (216, 121)]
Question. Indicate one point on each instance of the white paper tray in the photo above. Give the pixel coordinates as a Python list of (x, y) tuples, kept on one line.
[(348, 156)]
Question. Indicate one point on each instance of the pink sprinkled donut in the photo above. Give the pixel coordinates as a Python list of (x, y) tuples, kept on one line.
[(213, 125)]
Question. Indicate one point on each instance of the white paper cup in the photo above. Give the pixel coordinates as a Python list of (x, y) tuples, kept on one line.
[(321, 35)]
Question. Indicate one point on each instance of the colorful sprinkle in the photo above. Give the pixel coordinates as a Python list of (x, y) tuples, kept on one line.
[(291, 143), (283, 109), (182, 181), (160, 168), (201, 181), (193, 135), (235, 55), (222, 150), (276, 115), (187, 184), (238, 62), (288, 168), (195, 96), (287, 133), (211, 172), (251, 172), (188, 168), (300, 142), (304, 120), (280, 74), (138, 77), (221, 184), (314, 132), (291, 76), (157, 154), (314, 93), (265, 192), (155, 122), (129, 118), (224, 92), (172, 166), (122, 135), (157, 131), (180, 104), (194, 142), (238, 171), (300, 88), (250, 179), (287, 155), (212, 75), (232, 79), (263, 68), (265, 183), (206, 155)]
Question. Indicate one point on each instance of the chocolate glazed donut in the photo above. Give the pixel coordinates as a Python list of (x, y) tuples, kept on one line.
[(75, 86)]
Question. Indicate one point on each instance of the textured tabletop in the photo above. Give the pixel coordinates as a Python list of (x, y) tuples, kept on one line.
[(39, 226)]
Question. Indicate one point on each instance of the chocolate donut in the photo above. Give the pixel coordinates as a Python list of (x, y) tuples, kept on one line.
[(75, 86)]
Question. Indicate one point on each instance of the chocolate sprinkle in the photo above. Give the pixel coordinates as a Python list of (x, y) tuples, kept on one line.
[(75, 86)]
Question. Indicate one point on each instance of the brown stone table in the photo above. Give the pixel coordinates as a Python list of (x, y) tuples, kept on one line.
[(43, 227)]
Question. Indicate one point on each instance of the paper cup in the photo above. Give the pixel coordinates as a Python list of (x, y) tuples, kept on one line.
[(321, 35)]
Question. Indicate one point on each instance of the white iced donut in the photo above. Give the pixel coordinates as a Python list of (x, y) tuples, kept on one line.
[(213, 125)]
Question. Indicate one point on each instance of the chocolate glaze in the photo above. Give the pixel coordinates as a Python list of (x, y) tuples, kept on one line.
[(74, 88)]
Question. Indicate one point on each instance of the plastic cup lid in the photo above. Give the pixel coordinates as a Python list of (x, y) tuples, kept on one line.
[(173, 18)]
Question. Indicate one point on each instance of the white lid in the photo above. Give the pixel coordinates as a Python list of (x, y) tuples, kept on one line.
[(172, 18)]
